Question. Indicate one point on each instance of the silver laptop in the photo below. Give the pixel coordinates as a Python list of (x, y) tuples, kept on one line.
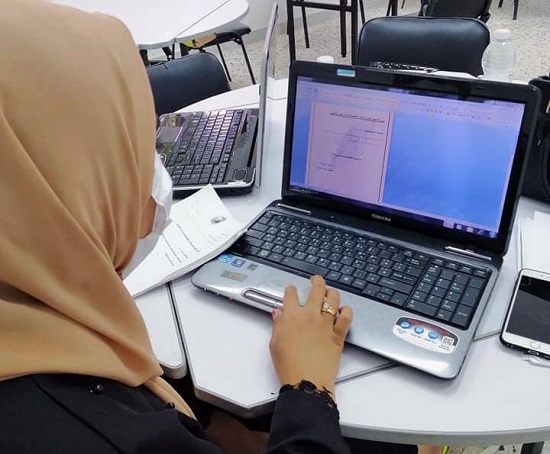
[(219, 147), (400, 190)]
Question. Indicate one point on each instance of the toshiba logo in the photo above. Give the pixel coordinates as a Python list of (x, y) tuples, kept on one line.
[(381, 218)]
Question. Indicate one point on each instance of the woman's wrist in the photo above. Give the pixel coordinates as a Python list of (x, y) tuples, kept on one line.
[(309, 387)]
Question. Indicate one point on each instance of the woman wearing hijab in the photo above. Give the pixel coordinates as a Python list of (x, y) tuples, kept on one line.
[(82, 199)]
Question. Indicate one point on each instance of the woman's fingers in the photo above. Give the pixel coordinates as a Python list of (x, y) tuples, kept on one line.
[(290, 300), (331, 304), (316, 295), (307, 341), (343, 322)]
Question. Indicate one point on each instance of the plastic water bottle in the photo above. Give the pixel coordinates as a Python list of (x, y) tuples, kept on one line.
[(499, 57), (325, 59)]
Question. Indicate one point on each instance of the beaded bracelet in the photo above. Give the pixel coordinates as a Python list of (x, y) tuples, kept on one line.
[(310, 388)]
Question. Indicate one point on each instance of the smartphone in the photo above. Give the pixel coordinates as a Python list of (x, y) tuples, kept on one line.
[(527, 323)]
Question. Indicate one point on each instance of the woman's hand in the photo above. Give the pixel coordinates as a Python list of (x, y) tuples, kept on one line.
[(307, 342)]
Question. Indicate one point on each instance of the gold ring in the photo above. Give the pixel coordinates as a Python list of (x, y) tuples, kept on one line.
[(329, 309)]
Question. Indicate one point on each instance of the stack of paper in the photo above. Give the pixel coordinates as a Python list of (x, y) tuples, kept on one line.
[(201, 228), (535, 242)]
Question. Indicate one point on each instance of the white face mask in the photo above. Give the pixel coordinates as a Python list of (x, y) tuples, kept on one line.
[(162, 194)]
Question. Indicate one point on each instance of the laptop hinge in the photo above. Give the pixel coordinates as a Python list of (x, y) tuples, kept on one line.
[(299, 210), (467, 253)]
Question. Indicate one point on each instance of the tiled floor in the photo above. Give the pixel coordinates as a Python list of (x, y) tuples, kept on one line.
[(506, 449), (529, 31)]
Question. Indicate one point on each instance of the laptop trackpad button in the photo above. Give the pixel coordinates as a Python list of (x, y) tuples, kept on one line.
[(261, 298)]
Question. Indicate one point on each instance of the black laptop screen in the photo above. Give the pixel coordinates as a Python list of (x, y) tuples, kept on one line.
[(442, 159)]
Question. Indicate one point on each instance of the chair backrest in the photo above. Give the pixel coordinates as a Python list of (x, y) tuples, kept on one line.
[(186, 80), (449, 44), (478, 9)]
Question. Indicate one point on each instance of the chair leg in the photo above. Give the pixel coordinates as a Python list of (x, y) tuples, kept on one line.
[(392, 8), (223, 62), (516, 4), (304, 23), (168, 52), (343, 28), (402, 4), (241, 43), (183, 50), (144, 56), (500, 3), (362, 8)]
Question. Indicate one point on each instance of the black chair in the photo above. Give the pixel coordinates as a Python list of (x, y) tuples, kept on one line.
[(234, 34), (183, 81), (516, 5), (449, 44), (343, 7), (478, 9)]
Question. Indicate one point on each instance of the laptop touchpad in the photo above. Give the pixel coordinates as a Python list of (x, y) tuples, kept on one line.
[(274, 285)]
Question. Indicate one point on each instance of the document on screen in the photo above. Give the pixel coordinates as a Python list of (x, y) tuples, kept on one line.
[(348, 150)]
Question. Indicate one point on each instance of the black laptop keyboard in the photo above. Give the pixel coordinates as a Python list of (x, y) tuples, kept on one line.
[(437, 288), (205, 149)]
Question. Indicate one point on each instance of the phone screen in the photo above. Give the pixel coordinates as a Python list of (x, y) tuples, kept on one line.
[(530, 315)]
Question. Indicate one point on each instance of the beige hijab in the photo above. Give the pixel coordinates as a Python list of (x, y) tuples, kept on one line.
[(77, 131)]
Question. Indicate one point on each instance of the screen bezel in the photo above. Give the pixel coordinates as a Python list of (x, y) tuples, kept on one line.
[(267, 51), (525, 94), (512, 340)]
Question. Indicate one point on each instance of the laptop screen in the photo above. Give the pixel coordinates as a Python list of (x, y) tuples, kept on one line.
[(435, 158)]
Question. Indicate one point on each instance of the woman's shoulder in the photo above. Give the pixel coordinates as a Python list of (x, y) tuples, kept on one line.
[(76, 413)]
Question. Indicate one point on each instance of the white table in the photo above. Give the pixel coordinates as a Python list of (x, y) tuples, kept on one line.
[(156, 23), (158, 312), (230, 12), (497, 399)]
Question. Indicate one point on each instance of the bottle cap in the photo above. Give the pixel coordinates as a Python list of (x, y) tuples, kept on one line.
[(325, 59), (503, 33)]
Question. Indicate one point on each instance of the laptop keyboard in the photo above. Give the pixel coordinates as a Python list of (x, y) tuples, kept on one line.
[(205, 149), (444, 290)]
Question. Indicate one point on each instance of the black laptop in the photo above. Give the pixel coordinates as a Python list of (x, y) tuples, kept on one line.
[(399, 189), (209, 147)]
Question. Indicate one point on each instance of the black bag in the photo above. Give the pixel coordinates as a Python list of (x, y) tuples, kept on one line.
[(536, 183)]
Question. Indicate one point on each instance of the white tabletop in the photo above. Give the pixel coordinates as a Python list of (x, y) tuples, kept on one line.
[(220, 18), (497, 399), (156, 23), (158, 313)]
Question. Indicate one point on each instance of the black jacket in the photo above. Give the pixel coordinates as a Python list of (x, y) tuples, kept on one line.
[(60, 413)]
